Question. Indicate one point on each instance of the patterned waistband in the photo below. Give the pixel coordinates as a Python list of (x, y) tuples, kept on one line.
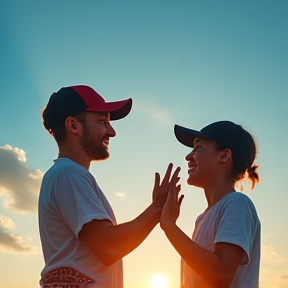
[(63, 285), (64, 277)]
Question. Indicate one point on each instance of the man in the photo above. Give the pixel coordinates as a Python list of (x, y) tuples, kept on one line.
[(81, 241), (225, 247)]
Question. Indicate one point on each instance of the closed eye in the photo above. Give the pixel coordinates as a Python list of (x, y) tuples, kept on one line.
[(196, 148), (103, 120)]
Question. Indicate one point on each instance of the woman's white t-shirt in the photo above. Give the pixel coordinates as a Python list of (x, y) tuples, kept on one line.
[(232, 220)]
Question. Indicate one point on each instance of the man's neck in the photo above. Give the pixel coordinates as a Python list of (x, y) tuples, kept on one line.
[(77, 156)]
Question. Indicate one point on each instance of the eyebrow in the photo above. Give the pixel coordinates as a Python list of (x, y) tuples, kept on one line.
[(104, 114), (196, 141)]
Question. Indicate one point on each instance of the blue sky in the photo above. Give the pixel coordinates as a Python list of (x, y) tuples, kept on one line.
[(185, 62)]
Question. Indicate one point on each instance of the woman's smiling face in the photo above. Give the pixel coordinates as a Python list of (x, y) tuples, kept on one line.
[(202, 162)]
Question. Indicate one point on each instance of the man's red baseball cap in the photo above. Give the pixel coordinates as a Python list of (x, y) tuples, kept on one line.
[(72, 100)]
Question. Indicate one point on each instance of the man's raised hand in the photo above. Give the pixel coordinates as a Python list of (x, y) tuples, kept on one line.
[(160, 191)]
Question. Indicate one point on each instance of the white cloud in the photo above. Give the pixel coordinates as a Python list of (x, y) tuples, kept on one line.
[(6, 222), (120, 194), (19, 184), (273, 271), (270, 255), (19, 152), (9, 241), (156, 113), (159, 114), (271, 278)]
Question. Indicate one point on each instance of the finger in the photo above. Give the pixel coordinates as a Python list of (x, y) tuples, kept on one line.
[(170, 196), (175, 178), (168, 173), (181, 199), (176, 181), (174, 189), (178, 189), (156, 181)]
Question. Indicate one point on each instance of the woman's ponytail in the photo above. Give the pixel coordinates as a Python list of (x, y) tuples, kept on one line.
[(253, 175)]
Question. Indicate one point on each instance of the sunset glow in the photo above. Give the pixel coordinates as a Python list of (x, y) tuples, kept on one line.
[(159, 281)]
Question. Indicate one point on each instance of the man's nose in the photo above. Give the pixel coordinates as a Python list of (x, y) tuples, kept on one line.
[(111, 131)]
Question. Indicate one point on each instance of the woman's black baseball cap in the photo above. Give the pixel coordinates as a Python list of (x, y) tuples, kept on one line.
[(227, 133), (72, 100)]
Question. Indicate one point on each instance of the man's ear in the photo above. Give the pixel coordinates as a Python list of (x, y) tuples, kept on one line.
[(72, 125), (225, 155)]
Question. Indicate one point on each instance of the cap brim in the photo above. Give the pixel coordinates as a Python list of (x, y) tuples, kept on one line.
[(186, 136), (117, 109)]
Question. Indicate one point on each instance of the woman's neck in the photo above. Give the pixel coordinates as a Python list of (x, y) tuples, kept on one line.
[(217, 191)]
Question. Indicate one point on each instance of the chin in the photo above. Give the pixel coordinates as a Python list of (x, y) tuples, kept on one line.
[(193, 182), (99, 159), (99, 156), (103, 157), (190, 181)]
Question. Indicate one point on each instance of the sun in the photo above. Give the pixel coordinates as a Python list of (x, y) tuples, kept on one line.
[(159, 281)]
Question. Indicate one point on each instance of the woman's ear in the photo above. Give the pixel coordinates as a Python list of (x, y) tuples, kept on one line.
[(225, 155)]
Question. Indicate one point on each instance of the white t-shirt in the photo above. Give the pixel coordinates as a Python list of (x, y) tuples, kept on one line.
[(69, 198), (232, 220)]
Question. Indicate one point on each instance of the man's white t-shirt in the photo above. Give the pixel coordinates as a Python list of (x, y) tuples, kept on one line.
[(69, 198), (231, 220)]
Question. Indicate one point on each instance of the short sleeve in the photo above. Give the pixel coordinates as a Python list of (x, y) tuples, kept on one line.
[(78, 199), (236, 226)]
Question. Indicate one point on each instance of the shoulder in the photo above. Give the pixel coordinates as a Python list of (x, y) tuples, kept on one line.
[(237, 201), (67, 171), (66, 178), (65, 166), (237, 197)]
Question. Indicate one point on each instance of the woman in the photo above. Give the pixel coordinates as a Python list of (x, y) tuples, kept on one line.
[(225, 247)]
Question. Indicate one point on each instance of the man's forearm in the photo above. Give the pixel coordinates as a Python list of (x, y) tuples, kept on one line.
[(125, 237), (111, 242)]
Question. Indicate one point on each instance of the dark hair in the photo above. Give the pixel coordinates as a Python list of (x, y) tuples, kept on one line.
[(59, 132), (243, 165)]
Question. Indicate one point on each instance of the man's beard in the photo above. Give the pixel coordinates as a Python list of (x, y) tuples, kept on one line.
[(94, 150)]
